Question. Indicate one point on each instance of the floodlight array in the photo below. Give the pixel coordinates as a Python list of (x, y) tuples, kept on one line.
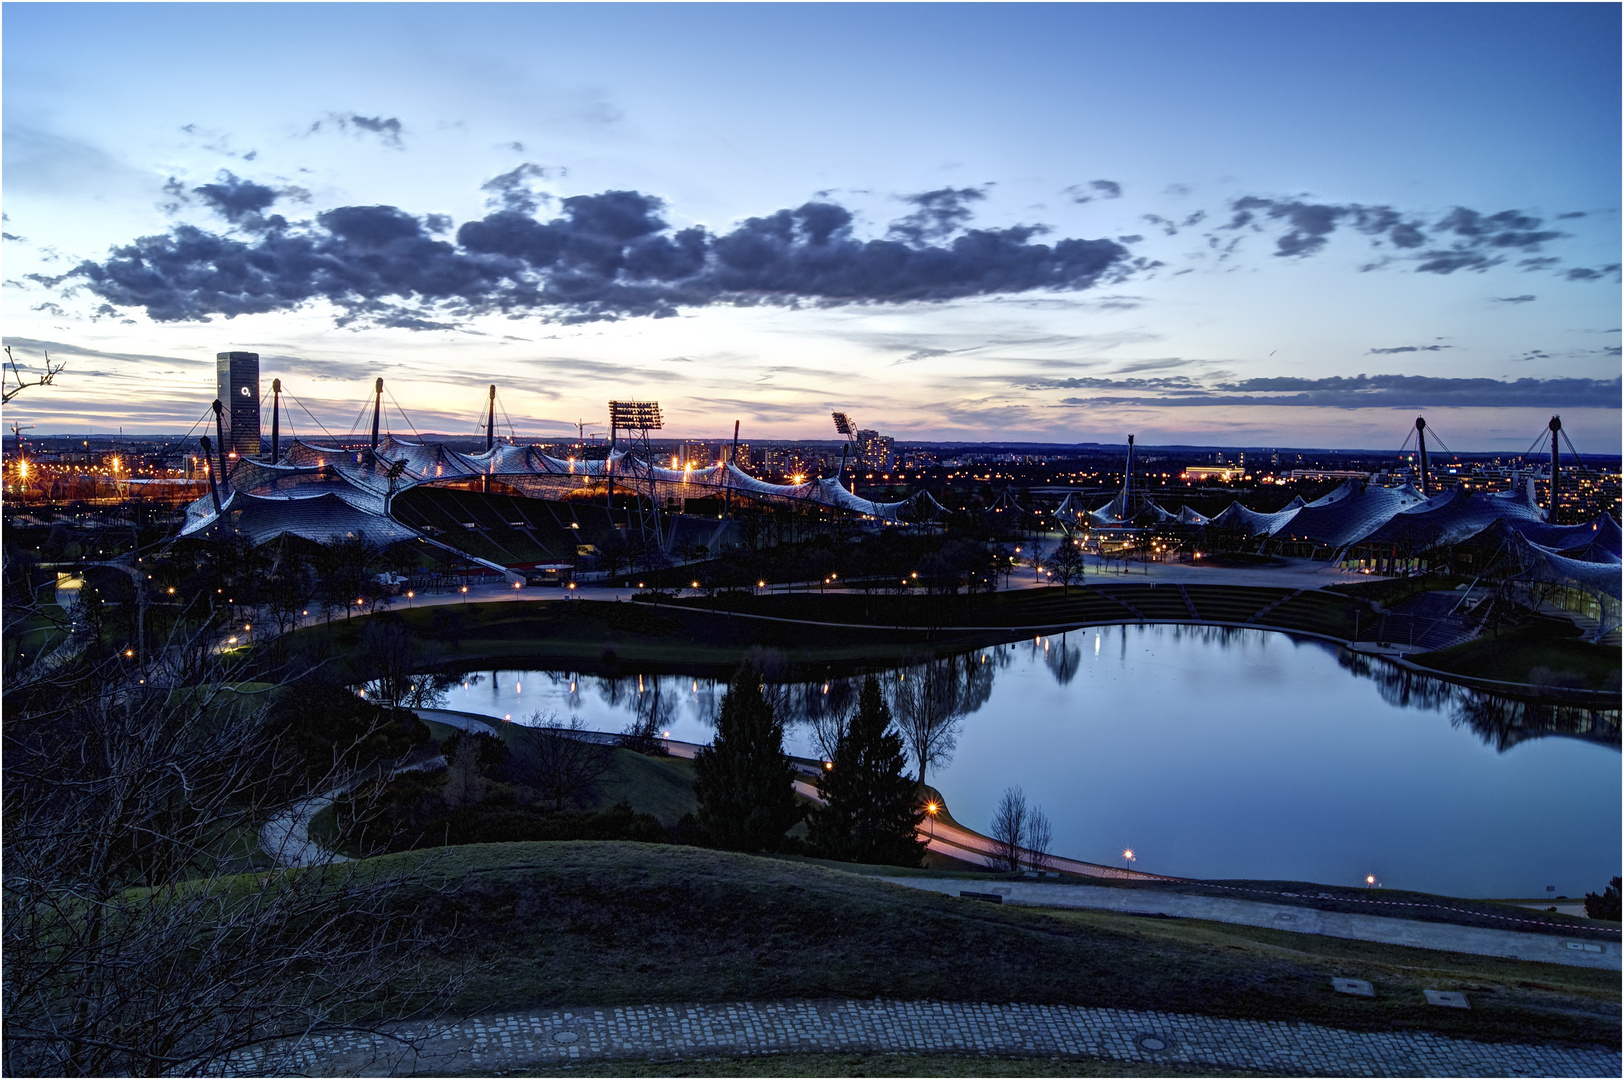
[(635, 415)]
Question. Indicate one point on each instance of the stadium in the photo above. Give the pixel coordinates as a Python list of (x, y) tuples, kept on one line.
[(509, 508)]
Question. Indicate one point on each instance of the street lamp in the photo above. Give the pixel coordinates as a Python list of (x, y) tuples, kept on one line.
[(1128, 857), (931, 808)]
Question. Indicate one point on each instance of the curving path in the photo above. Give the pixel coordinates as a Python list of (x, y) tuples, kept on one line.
[(286, 837), (492, 1045)]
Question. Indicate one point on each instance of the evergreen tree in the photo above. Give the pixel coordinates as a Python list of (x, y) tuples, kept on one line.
[(745, 783), (871, 812)]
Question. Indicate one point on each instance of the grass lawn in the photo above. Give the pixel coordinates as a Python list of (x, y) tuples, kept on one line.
[(589, 635), (859, 1064), (1518, 656), (662, 786), (548, 924)]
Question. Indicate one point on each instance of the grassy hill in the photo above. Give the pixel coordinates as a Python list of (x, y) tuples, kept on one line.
[(542, 924)]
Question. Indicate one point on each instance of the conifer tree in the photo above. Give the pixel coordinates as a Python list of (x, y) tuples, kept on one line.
[(744, 780), (871, 812)]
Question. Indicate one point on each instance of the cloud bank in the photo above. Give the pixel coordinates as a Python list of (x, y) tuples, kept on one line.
[(1357, 392), (606, 255), (613, 254)]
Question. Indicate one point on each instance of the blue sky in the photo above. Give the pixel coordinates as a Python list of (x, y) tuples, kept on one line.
[(1231, 224)]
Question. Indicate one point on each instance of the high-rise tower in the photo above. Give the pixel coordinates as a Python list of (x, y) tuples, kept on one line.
[(238, 388)]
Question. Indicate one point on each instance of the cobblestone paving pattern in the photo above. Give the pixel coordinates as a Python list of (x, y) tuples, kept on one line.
[(494, 1043)]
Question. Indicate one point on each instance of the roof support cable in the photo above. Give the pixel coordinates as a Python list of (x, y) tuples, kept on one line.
[(355, 425), (1577, 460), (312, 416), (415, 434), (513, 433)]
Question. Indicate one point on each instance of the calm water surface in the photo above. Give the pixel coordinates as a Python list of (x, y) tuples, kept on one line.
[(1219, 754)]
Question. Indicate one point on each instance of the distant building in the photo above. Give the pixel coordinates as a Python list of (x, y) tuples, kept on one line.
[(238, 389), (1226, 473), (875, 451), (1327, 474)]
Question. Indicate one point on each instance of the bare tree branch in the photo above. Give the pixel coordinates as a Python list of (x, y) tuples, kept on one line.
[(46, 378)]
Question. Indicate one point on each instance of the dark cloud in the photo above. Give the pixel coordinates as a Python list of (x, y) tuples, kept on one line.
[(1525, 298), (603, 256), (11, 236), (387, 129), (1095, 189), (1410, 348), (1357, 392), (1570, 214), (937, 214), (511, 190), (235, 199), (1584, 273), (1462, 239)]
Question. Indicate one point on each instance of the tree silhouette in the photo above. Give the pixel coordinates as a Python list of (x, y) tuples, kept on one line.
[(744, 780), (871, 813)]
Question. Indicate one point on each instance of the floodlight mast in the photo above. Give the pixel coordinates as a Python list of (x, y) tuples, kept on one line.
[(639, 418), (846, 426)]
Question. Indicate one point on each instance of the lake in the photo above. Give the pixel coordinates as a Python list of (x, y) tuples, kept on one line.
[(1217, 753)]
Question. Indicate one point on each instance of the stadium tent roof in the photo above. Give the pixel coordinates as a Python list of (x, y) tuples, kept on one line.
[(323, 518), (1111, 513), (1188, 516), (1452, 517), (1594, 541), (1357, 511), (1602, 577), (1252, 523), (324, 493)]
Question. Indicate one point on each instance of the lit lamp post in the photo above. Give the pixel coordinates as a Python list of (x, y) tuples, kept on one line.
[(931, 808), (1127, 858), (409, 595)]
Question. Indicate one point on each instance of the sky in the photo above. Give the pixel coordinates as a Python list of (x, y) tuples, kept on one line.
[(1224, 224)]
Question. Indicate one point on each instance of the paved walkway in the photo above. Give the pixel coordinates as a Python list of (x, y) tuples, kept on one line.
[(1583, 947), (486, 1045)]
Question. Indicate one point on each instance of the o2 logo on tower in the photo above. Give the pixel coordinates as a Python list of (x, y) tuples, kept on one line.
[(243, 390)]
